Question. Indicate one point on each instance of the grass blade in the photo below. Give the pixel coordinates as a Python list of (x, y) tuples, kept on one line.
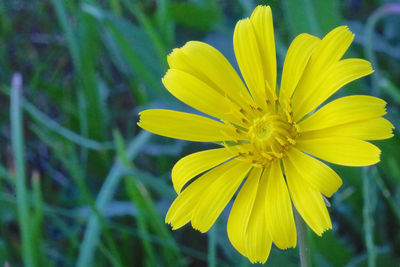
[(19, 159), (37, 217), (148, 218), (142, 223), (300, 17), (386, 10), (312, 16), (137, 199), (135, 9), (67, 155), (84, 52), (370, 198), (92, 233), (46, 121)]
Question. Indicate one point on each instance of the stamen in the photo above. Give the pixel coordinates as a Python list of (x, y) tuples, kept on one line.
[(270, 130), (280, 141), (266, 155)]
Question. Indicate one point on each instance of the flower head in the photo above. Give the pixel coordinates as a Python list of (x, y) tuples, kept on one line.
[(271, 137)]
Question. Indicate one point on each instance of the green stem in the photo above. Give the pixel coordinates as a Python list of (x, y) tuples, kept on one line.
[(376, 16), (17, 139), (387, 195), (369, 197), (212, 247), (304, 248)]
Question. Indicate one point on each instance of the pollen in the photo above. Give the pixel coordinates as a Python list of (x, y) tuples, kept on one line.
[(262, 129), (270, 134)]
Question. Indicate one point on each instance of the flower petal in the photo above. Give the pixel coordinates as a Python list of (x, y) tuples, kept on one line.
[(185, 126), (241, 211), (318, 174), (278, 210), (258, 240), (307, 200), (197, 94), (371, 129), (182, 208), (340, 74), (194, 164), (332, 47), (261, 19), (298, 54), (341, 150), (210, 66), (329, 50), (344, 110), (249, 60), (218, 195)]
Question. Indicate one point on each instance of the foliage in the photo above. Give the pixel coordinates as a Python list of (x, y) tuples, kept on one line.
[(81, 184)]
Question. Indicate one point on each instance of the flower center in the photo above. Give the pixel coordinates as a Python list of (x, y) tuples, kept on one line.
[(270, 135), (269, 131), (262, 129)]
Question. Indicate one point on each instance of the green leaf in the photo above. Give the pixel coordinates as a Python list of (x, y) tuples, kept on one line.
[(334, 250), (311, 16), (195, 16)]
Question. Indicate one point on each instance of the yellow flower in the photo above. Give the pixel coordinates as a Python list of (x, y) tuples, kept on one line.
[(271, 140)]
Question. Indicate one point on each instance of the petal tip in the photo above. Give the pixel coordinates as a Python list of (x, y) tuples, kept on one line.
[(172, 56), (140, 121), (262, 8), (322, 231), (254, 260), (200, 229), (172, 223), (169, 222), (344, 29)]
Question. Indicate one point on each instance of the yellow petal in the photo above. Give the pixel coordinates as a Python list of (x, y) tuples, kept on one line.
[(218, 195), (261, 19), (197, 94), (328, 51), (344, 110), (298, 54), (182, 208), (371, 129), (185, 126), (318, 174), (194, 164), (341, 150), (241, 211), (249, 60), (257, 240), (340, 74), (278, 210), (210, 66), (307, 200), (332, 47)]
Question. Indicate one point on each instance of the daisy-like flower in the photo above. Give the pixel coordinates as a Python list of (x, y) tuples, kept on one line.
[(271, 138)]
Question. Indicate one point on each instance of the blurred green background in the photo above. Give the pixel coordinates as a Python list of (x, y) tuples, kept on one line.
[(82, 185)]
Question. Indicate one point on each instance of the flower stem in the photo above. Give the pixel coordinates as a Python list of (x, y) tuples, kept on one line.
[(304, 248)]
